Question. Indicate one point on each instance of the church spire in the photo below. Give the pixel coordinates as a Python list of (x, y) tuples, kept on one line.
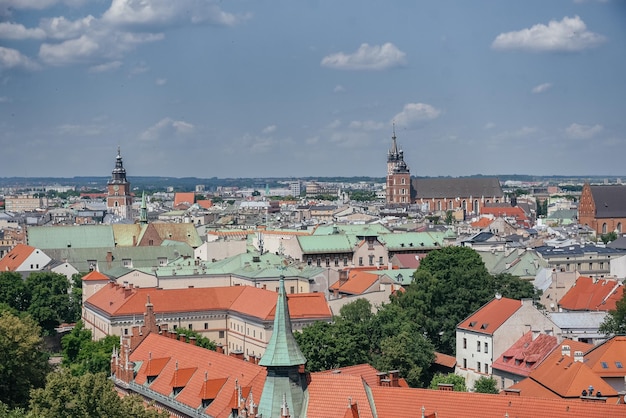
[(143, 211)]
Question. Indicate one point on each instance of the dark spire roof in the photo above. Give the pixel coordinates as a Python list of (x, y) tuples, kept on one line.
[(119, 172)]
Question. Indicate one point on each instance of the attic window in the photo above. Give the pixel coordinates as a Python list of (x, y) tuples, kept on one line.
[(177, 390), (618, 364), (471, 324), (150, 379), (484, 326), (507, 358), (604, 365), (206, 402)]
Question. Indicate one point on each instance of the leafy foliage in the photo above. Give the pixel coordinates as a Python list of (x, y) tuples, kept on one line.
[(363, 195), (451, 379), (50, 301), (13, 291), (609, 237), (23, 364), (615, 322), (200, 339), (88, 396), (486, 385), (82, 355)]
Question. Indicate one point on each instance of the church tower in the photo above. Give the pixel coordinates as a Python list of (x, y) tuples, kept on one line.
[(398, 176), (119, 200)]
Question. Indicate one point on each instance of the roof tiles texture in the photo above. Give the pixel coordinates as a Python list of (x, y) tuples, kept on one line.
[(526, 354), (14, 258), (609, 358), (592, 295), (331, 394), (491, 316)]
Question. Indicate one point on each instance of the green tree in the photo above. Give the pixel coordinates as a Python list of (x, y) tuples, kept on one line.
[(200, 339), (615, 322), (82, 355), (450, 284), (606, 238), (50, 302), (23, 363), (513, 287), (486, 385), (6, 412), (450, 379), (13, 291), (86, 396), (449, 220)]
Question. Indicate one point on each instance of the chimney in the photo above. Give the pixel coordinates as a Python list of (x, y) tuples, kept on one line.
[(127, 292), (394, 378), (109, 258), (536, 334), (621, 397), (134, 240), (566, 351), (174, 335), (182, 338), (445, 387), (192, 340), (237, 354), (578, 356), (219, 348)]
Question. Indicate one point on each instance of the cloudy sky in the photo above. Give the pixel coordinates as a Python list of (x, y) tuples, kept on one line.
[(277, 88)]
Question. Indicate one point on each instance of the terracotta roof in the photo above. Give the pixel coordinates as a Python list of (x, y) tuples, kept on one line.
[(14, 258), (117, 300), (445, 360), (504, 211), (491, 316), (205, 203), (188, 198), (358, 282), (609, 358), (402, 402), (589, 294), (194, 365), (408, 260), (330, 394), (95, 276), (482, 223), (365, 371), (526, 354)]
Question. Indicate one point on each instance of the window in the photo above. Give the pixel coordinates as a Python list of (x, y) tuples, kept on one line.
[(206, 325), (590, 266), (604, 228), (465, 363), (190, 326), (464, 342), (604, 364), (478, 366), (601, 265), (618, 364), (175, 326), (150, 242), (360, 261), (221, 334), (486, 347), (319, 262), (125, 331), (380, 260), (345, 261), (336, 261), (292, 289), (327, 261), (478, 346), (487, 368), (371, 258), (162, 261), (127, 262)]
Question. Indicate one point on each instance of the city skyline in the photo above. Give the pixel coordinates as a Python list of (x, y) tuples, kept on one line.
[(198, 88)]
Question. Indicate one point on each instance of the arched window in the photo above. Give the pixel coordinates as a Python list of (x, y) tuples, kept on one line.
[(604, 228), (475, 208), (439, 205), (618, 229), (403, 180), (116, 204)]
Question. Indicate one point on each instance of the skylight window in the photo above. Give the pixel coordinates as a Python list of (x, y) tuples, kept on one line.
[(604, 365), (618, 364)]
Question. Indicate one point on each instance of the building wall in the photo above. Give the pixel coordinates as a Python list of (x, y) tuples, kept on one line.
[(219, 250), (399, 188), (370, 252), (36, 261), (24, 203)]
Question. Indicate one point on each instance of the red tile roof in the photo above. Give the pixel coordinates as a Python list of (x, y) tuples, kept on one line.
[(408, 261), (491, 316), (482, 223), (95, 276), (365, 371), (117, 300), (14, 258), (407, 402), (445, 360), (589, 294), (358, 282), (187, 198), (205, 203), (605, 359), (330, 394), (194, 365), (526, 354)]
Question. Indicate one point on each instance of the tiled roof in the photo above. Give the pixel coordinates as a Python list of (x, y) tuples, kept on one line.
[(482, 223), (189, 366), (610, 201), (477, 188), (358, 282), (83, 236), (505, 211), (116, 300), (188, 198), (95, 276), (352, 229), (365, 371), (406, 402), (14, 258), (412, 240), (488, 319), (444, 360), (526, 354), (407, 260), (589, 294), (609, 358), (329, 395), (321, 244)]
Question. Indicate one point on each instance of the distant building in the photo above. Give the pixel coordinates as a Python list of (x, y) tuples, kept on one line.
[(603, 208), (119, 199), (398, 176), (294, 188)]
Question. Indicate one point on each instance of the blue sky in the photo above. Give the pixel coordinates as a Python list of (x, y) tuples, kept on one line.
[(283, 88)]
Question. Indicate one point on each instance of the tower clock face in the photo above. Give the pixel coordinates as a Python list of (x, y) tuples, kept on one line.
[(116, 187)]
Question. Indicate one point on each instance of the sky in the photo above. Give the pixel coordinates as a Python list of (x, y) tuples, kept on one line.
[(283, 88)]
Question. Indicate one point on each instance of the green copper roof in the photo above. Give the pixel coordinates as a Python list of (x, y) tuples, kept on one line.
[(360, 230), (412, 240), (320, 244), (84, 236), (282, 350)]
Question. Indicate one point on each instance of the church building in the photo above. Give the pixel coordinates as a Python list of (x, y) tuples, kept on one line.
[(398, 176), (119, 199)]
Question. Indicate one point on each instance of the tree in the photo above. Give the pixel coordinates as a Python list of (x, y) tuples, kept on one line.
[(513, 287), (611, 236), (50, 302), (82, 355), (201, 341), (615, 322), (87, 396), (450, 379), (13, 291), (486, 385), (449, 285), (23, 363), (6, 412)]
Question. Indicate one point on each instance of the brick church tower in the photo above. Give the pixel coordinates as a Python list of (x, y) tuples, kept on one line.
[(398, 176), (119, 200)]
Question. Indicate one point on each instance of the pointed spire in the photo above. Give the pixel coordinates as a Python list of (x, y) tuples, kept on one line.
[(282, 350), (394, 145), (143, 211)]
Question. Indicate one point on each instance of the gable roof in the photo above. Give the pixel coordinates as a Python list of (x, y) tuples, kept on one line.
[(184, 198), (609, 358), (95, 276), (610, 201), (83, 236), (358, 282), (330, 394), (491, 316), (406, 260), (14, 258), (526, 354), (589, 294), (439, 188), (194, 368)]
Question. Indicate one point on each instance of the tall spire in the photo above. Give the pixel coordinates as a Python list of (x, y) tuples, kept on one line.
[(119, 172), (143, 211), (394, 145)]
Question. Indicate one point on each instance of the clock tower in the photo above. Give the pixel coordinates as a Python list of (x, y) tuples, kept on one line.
[(398, 188), (119, 200)]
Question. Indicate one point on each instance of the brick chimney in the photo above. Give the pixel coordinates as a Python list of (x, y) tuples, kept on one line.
[(394, 378), (448, 387), (219, 348), (192, 340)]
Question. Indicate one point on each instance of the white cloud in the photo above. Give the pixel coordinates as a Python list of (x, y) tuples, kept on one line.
[(414, 113), (160, 81), (577, 131), (139, 68), (339, 89), (10, 30), (523, 132), (374, 57), (367, 125), (334, 124), (62, 28), (542, 88), (164, 13), (269, 129), (490, 125), (12, 58), (568, 35), (107, 66), (166, 128)]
